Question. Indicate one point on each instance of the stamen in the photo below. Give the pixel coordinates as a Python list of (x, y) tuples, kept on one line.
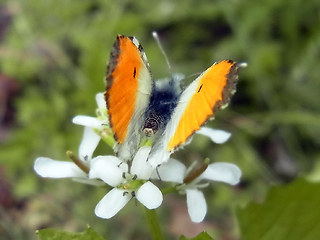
[(157, 170), (78, 162), (125, 193), (196, 172), (133, 194)]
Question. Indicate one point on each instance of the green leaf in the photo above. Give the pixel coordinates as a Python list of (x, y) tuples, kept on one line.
[(289, 212), (55, 234), (201, 236)]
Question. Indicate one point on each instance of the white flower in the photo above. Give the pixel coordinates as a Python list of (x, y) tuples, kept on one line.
[(47, 167), (174, 171), (127, 184), (99, 124), (134, 182), (95, 122)]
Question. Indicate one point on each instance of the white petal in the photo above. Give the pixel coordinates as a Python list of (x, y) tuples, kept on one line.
[(47, 167), (87, 121), (222, 172), (109, 169), (88, 144), (171, 171), (197, 206), (112, 203), (158, 156), (149, 195), (93, 182), (217, 136), (140, 166), (101, 102)]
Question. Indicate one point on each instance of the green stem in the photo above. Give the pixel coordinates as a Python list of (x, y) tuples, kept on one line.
[(169, 190), (153, 224)]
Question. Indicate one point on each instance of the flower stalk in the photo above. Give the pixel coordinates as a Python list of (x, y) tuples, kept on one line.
[(78, 162), (154, 225)]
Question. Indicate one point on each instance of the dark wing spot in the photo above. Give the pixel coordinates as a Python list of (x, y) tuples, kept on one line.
[(200, 88), (134, 72)]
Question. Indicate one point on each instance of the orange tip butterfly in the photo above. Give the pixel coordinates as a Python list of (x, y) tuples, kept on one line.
[(139, 107)]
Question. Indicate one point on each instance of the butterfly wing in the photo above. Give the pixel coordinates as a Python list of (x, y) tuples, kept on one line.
[(207, 94), (129, 86)]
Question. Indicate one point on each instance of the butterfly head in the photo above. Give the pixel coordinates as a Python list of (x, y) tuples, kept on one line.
[(152, 124)]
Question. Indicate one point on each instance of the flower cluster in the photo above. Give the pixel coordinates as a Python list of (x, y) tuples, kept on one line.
[(135, 178)]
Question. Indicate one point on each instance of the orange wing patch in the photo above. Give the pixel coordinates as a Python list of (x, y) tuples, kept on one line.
[(122, 85), (212, 91)]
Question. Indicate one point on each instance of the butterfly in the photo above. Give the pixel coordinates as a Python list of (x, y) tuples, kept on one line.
[(139, 107)]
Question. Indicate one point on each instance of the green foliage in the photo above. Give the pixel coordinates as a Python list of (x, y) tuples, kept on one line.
[(288, 212), (54, 234), (201, 236)]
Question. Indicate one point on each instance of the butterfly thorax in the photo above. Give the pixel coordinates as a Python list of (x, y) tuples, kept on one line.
[(163, 101)]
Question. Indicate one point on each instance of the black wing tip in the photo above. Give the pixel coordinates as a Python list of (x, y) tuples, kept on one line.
[(230, 87)]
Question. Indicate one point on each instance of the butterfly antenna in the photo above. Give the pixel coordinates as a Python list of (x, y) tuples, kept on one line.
[(157, 39), (194, 75)]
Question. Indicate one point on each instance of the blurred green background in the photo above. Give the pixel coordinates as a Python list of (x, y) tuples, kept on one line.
[(53, 57)]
